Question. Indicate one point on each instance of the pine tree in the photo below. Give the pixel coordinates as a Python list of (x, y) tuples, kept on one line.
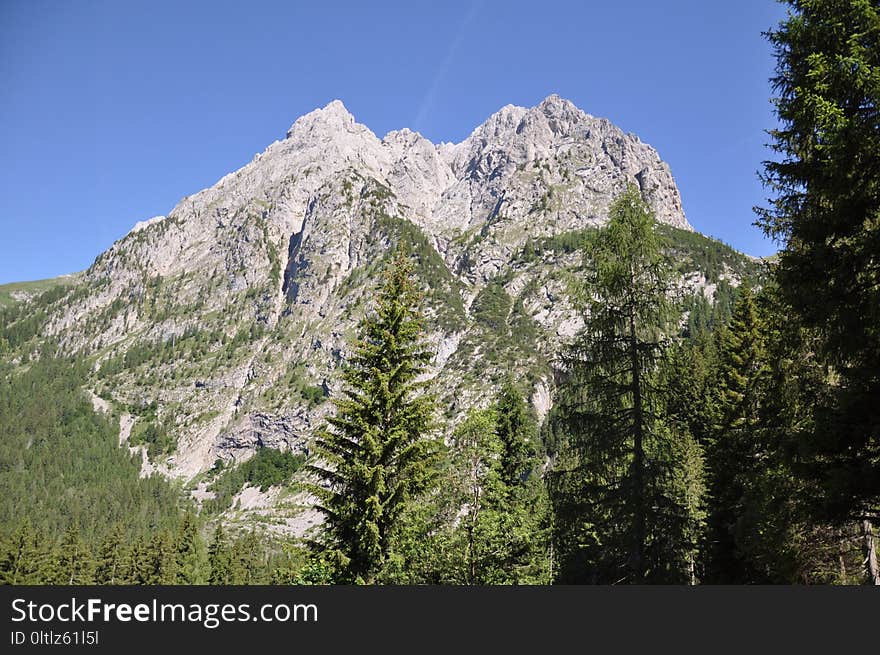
[(517, 431), (219, 558), (246, 564), (376, 454), (191, 555), (613, 483), (21, 558), (734, 448), (72, 560), (526, 557), (158, 565), (826, 212), (112, 562)]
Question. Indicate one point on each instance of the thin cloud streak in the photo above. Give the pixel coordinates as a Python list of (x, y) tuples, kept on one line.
[(428, 100)]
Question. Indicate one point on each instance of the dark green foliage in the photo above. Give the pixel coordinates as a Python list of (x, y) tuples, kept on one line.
[(247, 561), (734, 445), (219, 558), (566, 242), (826, 212), (516, 427), (149, 432), (492, 306), (298, 380), (752, 401), (313, 395), (376, 455), (21, 322), (476, 528), (704, 316), (193, 344), (626, 483), (113, 558), (157, 561), (28, 556), (267, 467), (692, 251), (22, 560), (238, 561), (192, 557), (59, 461), (443, 290)]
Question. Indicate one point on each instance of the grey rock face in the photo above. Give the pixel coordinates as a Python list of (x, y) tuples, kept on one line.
[(255, 284)]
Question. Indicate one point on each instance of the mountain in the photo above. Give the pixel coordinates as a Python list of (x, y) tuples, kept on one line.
[(214, 331)]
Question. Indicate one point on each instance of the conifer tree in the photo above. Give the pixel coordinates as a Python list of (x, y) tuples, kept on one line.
[(246, 565), (72, 560), (377, 453), (779, 534), (734, 447), (526, 557), (613, 487), (826, 213), (159, 563), (517, 431), (137, 564), (475, 529), (21, 558), (191, 555), (219, 558), (112, 564)]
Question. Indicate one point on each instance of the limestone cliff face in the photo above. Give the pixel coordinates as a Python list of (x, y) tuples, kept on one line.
[(222, 322)]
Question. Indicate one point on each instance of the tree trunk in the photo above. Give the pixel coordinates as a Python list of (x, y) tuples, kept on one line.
[(841, 555), (870, 549), (638, 457)]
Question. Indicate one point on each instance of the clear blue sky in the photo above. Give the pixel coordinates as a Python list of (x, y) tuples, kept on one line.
[(111, 112)]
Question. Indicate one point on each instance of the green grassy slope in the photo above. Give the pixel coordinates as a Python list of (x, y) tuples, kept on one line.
[(33, 287)]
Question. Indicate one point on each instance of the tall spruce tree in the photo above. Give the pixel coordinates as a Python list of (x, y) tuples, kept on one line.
[(158, 565), (219, 558), (517, 432), (826, 212), (247, 561), (21, 561), (614, 488), (734, 447), (112, 560), (192, 564), (72, 561), (527, 554), (377, 452)]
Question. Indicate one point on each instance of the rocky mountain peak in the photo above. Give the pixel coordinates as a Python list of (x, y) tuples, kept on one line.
[(333, 116), (561, 114), (263, 275)]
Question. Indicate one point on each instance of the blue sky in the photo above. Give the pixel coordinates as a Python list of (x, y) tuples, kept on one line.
[(111, 112)]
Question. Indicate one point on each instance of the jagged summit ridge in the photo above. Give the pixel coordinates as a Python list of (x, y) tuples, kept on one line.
[(272, 266), (452, 187)]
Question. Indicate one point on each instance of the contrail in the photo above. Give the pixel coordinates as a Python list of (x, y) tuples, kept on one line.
[(428, 100)]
